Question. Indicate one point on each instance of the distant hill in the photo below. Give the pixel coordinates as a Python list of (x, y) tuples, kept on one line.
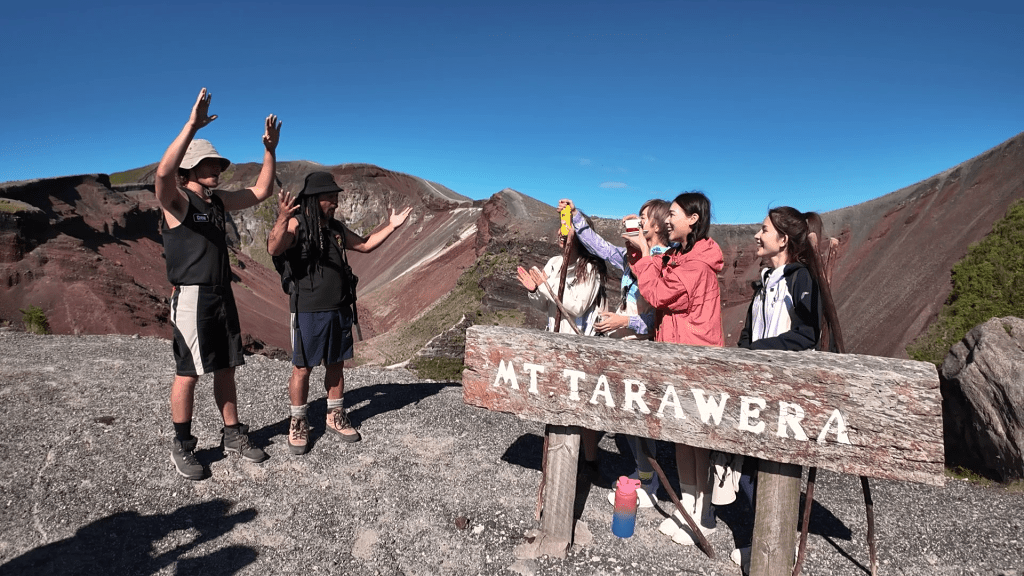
[(86, 249)]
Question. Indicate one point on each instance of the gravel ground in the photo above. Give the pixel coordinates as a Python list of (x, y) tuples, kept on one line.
[(87, 486)]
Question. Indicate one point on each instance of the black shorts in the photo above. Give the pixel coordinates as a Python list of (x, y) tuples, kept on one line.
[(207, 336), (321, 337)]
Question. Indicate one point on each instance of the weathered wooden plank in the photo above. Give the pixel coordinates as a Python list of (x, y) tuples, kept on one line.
[(863, 415)]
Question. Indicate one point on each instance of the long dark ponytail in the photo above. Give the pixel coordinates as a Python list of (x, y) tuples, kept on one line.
[(797, 226)]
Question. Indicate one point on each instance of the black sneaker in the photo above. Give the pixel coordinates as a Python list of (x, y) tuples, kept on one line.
[(184, 460), (237, 440)]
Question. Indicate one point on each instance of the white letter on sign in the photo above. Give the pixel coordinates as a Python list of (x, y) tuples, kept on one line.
[(707, 409), (841, 436), (602, 389), (671, 399), (507, 374), (635, 391), (747, 413), (533, 369), (790, 416), (574, 382)]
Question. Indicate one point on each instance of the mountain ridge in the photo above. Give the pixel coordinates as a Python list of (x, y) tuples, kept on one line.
[(88, 251)]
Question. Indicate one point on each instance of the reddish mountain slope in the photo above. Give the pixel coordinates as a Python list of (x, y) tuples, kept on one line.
[(90, 255)]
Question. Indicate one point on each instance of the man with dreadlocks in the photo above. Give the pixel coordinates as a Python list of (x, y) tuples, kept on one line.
[(313, 244)]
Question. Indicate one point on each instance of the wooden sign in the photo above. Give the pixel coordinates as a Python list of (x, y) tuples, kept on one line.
[(863, 415)]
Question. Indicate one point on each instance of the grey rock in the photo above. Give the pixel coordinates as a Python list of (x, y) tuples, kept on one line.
[(87, 487), (982, 383)]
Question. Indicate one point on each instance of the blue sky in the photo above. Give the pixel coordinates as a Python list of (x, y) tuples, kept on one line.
[(817, 105)]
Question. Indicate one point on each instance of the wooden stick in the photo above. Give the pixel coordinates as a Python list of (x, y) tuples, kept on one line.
[(811, 476), (870, 507), (561, 282), (705, 546), (561, 309)]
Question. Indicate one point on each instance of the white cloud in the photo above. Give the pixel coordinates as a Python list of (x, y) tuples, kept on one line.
[(614, 185)]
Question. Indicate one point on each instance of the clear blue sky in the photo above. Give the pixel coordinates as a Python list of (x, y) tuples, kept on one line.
[(815, 104)]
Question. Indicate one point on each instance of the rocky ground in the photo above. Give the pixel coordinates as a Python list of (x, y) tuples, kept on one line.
[(435, 487)]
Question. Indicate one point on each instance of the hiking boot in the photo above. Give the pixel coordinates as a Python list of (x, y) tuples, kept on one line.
[(184, 460), (298, 435), (237, 440), (338, 422)]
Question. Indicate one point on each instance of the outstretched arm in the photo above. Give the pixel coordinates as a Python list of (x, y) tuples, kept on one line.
[(355, 242), (264, 186), (167, 192)]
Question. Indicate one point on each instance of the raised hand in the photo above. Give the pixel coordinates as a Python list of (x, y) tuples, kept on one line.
[(537, 276), (566, 202), (525, 280), (201, 111), (272, 133), (637, 243), (398, 219), (286, 205)]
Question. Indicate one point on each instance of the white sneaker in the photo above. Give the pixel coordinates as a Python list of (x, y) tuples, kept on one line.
[(741, 557), (686, 537), (669, 526)]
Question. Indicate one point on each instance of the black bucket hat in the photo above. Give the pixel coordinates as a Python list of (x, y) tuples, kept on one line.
[(319, 183)]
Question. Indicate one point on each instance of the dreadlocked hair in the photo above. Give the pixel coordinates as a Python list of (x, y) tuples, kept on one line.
[(797, 226), (314, 239)]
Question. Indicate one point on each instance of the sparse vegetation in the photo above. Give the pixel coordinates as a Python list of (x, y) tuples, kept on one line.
[(14, 206), (265, 214), (961, 473), (130, 176), (441, 369), (465, 298), (987, 283), (35, 320)]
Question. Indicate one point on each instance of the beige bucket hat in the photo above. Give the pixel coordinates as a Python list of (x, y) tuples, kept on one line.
[(199, 150)]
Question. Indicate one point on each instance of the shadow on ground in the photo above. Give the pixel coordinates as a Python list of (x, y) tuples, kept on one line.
[(145, 545)]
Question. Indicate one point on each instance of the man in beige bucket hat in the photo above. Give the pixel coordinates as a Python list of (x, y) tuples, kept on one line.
[(207, 337)]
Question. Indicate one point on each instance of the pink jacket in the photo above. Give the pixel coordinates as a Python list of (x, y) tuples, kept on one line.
[(684, 289)]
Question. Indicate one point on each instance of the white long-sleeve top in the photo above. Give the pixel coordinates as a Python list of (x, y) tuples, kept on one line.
[(579, 299)]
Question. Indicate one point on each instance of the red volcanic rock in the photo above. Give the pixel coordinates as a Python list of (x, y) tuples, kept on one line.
[(91, 257)]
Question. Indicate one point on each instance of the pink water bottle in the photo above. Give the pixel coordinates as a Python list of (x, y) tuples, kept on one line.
[(624, 515)]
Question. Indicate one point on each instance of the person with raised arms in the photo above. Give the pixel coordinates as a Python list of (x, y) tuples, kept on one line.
[(633, 317), (313, 243), (207, 336)]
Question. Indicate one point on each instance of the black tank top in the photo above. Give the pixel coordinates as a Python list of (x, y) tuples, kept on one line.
[(196, 250), (319, 278)]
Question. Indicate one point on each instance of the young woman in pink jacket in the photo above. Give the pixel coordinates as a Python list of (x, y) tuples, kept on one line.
[(682, 285)]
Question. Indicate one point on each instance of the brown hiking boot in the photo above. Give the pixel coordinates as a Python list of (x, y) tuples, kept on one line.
[(298, 435), (338, 422)]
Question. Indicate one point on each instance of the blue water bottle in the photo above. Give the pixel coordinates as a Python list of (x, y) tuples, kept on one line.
[(624, 515)]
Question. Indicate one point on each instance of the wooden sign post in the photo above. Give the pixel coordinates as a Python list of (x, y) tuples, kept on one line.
[(863, 415)]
